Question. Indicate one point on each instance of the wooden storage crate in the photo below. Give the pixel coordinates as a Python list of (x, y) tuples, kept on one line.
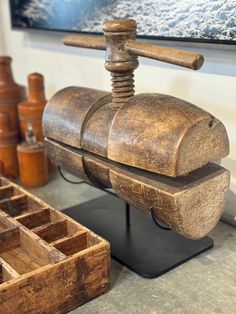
[(48, 262)]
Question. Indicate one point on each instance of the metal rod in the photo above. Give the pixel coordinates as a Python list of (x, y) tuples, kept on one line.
[(127, 215)]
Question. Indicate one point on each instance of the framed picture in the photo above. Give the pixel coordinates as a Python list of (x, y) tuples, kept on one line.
[(185, 20)]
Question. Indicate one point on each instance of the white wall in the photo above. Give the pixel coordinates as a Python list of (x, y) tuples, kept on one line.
[(212, 88)]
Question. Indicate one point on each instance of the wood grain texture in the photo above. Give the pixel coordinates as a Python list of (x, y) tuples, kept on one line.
[(165, 135), (191, 205), (10, 92), (96, 130), (37, 277), (77, 281), (68, 110), (155, 132)]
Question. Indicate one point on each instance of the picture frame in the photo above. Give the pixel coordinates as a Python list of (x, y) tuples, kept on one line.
[(203, 21)]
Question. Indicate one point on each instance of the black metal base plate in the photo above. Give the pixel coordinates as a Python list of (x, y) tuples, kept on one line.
[(144, 248)]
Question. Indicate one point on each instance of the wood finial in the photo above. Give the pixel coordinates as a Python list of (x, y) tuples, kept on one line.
[(36, 87)]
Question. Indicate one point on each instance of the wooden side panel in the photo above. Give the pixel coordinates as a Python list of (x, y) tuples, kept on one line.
[(61, 287), (98, 171), (70, 162), (190, 208), (165, 135), (9, 239)]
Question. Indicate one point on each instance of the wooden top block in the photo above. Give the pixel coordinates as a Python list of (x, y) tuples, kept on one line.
[(165, 135), (154, 132)]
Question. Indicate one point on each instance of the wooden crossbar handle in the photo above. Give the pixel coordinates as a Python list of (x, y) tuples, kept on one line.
[(178, 57), (86, 41), (173, 56), (122, 51)]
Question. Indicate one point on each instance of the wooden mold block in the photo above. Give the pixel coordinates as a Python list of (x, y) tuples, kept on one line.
[(48, 262), (191, 205)]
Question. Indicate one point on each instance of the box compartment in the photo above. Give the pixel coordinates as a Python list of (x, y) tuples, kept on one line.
[(25, 254), (6, 272), (57, 228), (18, 205)]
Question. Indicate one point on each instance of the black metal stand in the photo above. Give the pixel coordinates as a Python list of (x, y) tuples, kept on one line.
[(142, 244), (135, 240)]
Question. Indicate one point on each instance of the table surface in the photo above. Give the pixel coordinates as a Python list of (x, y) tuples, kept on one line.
[(205, 284)]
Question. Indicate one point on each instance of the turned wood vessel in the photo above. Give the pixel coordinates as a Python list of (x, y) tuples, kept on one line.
[(33, 164), (32, 160), (31, 110), (10, 92), (8, 142), (154, 150)]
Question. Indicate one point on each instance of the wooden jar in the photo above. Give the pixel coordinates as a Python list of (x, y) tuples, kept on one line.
[(8, 142), (10, 92), (31, 110), (33, 164)]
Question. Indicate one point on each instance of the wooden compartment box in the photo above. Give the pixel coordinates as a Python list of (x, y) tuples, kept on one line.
[(48, 262)]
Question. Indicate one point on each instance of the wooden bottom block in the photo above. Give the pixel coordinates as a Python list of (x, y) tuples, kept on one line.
[(191, 205)]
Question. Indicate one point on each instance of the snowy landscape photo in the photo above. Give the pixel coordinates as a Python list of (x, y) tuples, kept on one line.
[(190, 20)]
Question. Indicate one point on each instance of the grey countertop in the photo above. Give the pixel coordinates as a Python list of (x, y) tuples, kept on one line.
[(205, 284)]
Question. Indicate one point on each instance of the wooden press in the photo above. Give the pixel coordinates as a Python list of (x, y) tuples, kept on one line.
[(154, 150)]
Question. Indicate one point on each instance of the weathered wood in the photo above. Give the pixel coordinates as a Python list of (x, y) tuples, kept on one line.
[(9, 239), (74, 104), (139, 48), (33, 220), (51, 231), (173, 56), (155, 132), (131, 143), (165, 135), (36, 277), (79, 279), (6, 191), (7, 272), (96, 130), (191, 205), (74, 244)]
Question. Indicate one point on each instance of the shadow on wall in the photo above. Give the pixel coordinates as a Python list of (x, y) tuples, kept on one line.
[(219, 59), (229, 215), (53, 41), (230, 206)]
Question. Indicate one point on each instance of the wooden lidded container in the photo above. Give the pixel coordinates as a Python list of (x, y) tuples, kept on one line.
[(32, 160), (10, 92), (31, 110), (8, 142)]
